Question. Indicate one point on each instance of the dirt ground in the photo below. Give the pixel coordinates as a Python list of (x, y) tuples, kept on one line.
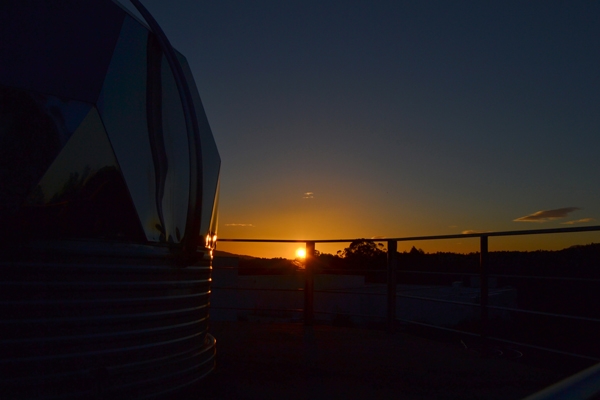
[(290, 361)]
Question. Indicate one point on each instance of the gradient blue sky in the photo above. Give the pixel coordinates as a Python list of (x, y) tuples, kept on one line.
[(399, 118)]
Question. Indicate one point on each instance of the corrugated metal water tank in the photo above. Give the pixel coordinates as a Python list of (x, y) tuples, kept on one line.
[(99, 323), (109, 179)]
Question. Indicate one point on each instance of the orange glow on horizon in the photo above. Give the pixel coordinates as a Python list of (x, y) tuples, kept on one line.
[(460, 245)]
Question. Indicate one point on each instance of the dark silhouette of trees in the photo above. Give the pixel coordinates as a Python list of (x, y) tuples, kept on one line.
[(415, 252), (363, 249), (364, 255), (266, 266)]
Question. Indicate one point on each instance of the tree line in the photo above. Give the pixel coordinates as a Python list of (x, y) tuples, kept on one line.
[(369, 257)]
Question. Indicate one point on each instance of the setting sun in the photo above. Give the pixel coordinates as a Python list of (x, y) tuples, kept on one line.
[(301, 253)]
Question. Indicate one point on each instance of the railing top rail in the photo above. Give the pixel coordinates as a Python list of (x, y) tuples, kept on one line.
[(433, 237)]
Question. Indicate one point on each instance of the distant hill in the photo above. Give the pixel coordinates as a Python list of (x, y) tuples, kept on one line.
[(221, 253)]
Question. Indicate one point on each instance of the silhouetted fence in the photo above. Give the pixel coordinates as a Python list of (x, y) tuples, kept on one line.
[(529, 328)]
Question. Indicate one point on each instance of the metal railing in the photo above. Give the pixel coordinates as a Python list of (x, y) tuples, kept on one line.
[(484, 333)]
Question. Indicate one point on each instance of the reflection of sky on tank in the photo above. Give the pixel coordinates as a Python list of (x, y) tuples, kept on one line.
[(211, 160), (85, 153), (122, 106), (67, 115), (177, 184), (126, 123)]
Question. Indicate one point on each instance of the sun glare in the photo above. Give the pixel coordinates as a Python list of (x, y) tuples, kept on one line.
[(301, 253)]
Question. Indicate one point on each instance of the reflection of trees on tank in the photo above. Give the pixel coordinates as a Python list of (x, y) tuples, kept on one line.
[(29, 143), (36, 196), (89, 205), (72, 187)]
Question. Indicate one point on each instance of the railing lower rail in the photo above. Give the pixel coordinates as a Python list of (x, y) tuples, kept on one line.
[(589, 379)]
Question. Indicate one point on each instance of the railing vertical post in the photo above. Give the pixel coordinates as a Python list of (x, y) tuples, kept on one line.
[(392, 266), (484, 290), (309, 284)]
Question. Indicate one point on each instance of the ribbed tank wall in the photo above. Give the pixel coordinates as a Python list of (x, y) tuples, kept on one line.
[(103, 326)]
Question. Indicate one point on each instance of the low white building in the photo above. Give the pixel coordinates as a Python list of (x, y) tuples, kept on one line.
[(346, 297)]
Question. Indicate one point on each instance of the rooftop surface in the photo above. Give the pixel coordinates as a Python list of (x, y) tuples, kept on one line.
[(286, 360)]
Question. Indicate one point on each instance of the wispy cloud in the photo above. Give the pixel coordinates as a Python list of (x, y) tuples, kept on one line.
[(308, 195), (579, 221), (547, 215), (241, 225)]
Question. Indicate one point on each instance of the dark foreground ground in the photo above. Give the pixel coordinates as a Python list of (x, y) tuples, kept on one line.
[(289, 361)]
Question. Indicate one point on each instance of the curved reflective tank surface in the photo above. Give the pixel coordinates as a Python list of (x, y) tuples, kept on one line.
[(109, 179)]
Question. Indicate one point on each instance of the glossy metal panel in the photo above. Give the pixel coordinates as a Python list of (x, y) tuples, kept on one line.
[(66, 114), (87, 152), (177, 184), (33, 129), (122, 106), (82, 194), (211, 161), (59, 49)]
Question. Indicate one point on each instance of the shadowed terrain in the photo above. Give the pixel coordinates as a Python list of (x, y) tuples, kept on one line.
[(274, 361)]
